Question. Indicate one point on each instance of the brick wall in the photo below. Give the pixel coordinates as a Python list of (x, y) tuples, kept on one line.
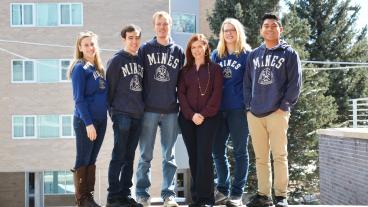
[(343, 170)]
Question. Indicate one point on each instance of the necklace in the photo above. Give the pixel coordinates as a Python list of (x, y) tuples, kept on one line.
[(208, 81)]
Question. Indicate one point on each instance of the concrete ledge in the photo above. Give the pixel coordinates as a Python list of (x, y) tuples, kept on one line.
[(360, 133)]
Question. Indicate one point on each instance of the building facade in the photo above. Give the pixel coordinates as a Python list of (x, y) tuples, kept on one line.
[(37, 143)]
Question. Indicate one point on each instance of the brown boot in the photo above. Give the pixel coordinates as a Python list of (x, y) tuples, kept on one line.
[(91, 178), (80, 184)]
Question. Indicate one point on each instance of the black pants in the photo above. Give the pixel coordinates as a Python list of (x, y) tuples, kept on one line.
[(198, 141)]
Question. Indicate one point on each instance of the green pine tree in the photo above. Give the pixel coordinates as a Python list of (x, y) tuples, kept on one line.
[(335, 38)]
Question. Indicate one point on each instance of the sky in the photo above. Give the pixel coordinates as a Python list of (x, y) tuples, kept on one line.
[(361, 22)]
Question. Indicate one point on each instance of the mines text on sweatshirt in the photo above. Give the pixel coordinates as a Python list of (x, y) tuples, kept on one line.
[(89, 93), (232, 67), (272, 79), (161, 70), (124, 75)]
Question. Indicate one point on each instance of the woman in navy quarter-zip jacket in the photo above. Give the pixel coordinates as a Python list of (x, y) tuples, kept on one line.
[(231, 54), (90, 114)]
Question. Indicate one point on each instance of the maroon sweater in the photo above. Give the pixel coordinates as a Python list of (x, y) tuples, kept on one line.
[(190, 99)]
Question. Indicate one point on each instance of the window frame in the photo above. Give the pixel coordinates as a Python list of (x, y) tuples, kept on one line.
[(22, 20), (65, 182), (23, 71), (35, 14), (184, 13), (61, 68), (24, 127), (71, 126)]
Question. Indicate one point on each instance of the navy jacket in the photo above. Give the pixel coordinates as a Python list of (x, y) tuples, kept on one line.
[(124, 75), (89, 93), (161, 70), (233, 68), (272, 79)]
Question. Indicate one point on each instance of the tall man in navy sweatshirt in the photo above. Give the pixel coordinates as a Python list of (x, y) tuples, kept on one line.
[(162, 60), (124, 75), (272, 84)]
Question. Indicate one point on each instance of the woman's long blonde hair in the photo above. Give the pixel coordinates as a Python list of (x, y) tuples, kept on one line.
[(240, 45), (78, 55)]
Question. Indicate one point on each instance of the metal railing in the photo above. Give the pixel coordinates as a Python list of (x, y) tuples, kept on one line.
[(359, 109)]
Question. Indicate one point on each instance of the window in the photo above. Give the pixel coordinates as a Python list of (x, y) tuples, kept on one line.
[(70, 14), (22, 14), (23, 71), (184, 23), (43, 126), (24, 126), (64, 66), (40, 71), (58, 182), (46, 14)]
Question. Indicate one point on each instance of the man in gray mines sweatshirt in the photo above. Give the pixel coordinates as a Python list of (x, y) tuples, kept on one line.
[(162, 60), (272, 82)]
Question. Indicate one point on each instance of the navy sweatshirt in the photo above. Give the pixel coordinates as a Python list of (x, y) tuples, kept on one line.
[(232, 67), (272, 79), (89, 93), (124, 75), (161, 70)]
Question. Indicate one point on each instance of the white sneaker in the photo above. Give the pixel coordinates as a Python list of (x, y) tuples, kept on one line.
[(220, 198), (234, 201), (145, 201), (170, 202)]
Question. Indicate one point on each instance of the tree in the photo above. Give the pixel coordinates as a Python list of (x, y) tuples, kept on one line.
[(335, 38)]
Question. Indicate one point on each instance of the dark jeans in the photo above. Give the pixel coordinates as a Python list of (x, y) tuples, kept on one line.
[(126, 136), (199, 140), (88, 150), (234, 123)]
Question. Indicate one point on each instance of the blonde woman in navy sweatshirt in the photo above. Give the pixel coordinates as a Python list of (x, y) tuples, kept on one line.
[(90, 114), (231, 54)]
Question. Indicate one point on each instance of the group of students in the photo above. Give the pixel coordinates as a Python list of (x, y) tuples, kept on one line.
[(211, 97)]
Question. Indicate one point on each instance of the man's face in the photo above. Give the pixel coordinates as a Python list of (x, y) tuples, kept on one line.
[(132, 41), (162, 27), (270, 30)]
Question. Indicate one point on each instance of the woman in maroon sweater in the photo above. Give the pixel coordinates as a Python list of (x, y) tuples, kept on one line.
[(200, 91)]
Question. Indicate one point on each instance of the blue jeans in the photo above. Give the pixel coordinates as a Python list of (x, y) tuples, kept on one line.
[(88, 150), (126, 136), (234, 123), (169, 131)]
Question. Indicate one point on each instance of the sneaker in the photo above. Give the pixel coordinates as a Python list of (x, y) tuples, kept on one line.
[(145, 201), (220, 198), (170, 202), (259, 201), (129, 201), (281, 201), (234, 201)]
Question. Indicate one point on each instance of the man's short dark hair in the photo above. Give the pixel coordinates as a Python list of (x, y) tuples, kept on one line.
[(130, 28), (271, 16)]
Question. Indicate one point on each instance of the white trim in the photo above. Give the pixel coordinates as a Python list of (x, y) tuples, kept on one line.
[(61, 126), (24, 126), (22, 15)]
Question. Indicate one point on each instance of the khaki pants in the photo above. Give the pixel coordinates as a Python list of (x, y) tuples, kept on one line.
[(269, 134)]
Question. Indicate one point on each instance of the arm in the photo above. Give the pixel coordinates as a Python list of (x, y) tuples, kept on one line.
[(247, 83), (182, 96), (294, 78), (112, 77), (213, 104), (79, 84)]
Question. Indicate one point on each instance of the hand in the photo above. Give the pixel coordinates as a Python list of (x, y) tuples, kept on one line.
[(91, 132), (198, 119)]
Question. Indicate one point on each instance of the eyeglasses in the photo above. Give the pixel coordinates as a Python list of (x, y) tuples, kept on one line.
[(229, 30)]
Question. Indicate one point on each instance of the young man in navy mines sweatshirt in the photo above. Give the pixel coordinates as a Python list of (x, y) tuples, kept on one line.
[(162, 60), (272, 83), (124, 75)]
